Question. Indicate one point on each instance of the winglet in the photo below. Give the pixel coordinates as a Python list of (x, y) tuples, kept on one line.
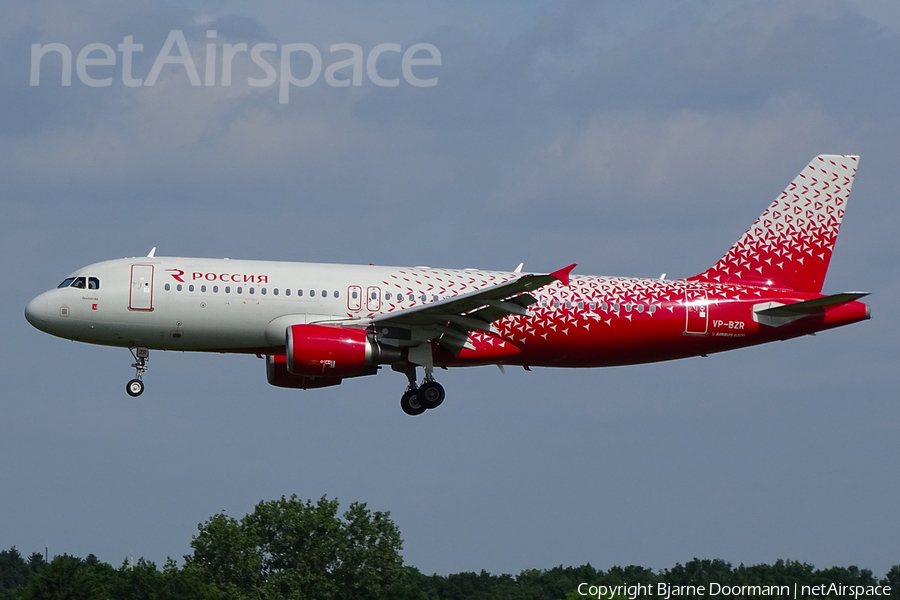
[(563, 274), (152, 252)]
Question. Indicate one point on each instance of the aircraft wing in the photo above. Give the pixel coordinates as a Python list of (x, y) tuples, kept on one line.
[(450, 321)]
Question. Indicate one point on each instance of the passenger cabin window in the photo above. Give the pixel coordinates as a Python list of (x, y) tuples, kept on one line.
[(66, 282)]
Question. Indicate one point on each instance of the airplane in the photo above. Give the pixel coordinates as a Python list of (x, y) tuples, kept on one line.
[(318, 324)]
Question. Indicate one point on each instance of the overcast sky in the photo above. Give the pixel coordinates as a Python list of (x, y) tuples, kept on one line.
[(631, 138)]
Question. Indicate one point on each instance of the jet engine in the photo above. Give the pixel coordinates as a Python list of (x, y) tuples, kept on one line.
[(335, 352), (277, 374)]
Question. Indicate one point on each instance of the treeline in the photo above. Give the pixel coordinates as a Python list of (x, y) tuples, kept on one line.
[(292, 549)]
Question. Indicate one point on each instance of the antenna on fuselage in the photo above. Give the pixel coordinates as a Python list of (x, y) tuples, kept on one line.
[(152, 252)]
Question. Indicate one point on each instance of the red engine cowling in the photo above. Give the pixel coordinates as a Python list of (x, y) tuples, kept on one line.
[(333, 352), (277, 374)]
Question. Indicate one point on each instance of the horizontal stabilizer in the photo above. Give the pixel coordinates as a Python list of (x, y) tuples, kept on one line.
[(782, 314)]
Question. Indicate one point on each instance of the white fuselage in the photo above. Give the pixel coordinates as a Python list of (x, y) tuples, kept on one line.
[(233, 305)]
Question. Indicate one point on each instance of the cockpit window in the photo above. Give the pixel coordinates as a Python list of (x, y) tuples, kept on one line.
[(66, 282), (93, 283), (79, 283)]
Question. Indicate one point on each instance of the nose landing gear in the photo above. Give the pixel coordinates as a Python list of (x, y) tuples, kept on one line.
[(135, 387)]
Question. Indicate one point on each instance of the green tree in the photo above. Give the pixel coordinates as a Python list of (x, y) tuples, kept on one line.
[(14, 571), (188, 583), (893, 579), (699, 572), (292, 549), (71, 578), (138, 581), (226, 554), (782, 572)]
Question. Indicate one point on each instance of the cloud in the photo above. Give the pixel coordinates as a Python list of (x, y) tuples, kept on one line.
[(646, 155), (627, 130)]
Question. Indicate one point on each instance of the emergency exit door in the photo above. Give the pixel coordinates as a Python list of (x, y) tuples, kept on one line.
[(373, 298), (140, 296)]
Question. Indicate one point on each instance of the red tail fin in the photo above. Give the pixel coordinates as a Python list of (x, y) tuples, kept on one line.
[(790, 244)]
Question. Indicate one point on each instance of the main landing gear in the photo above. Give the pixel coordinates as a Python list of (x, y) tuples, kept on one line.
[(135, 387), (418, 399)]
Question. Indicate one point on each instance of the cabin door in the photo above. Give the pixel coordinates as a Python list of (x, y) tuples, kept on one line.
[(140, 295), (696, 304)]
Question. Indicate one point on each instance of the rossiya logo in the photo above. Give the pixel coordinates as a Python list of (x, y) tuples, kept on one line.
[(179, 275), (346, 67)]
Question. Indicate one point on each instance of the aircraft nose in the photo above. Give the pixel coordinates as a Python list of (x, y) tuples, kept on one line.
[(37, 311)]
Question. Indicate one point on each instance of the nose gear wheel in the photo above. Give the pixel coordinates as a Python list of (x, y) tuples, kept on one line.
[(135, 388)]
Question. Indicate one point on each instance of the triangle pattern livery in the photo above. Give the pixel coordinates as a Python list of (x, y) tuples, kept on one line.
[(318, 324)]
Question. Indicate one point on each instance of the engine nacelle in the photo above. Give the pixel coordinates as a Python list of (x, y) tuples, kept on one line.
[(277, 374), (336, 352)]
